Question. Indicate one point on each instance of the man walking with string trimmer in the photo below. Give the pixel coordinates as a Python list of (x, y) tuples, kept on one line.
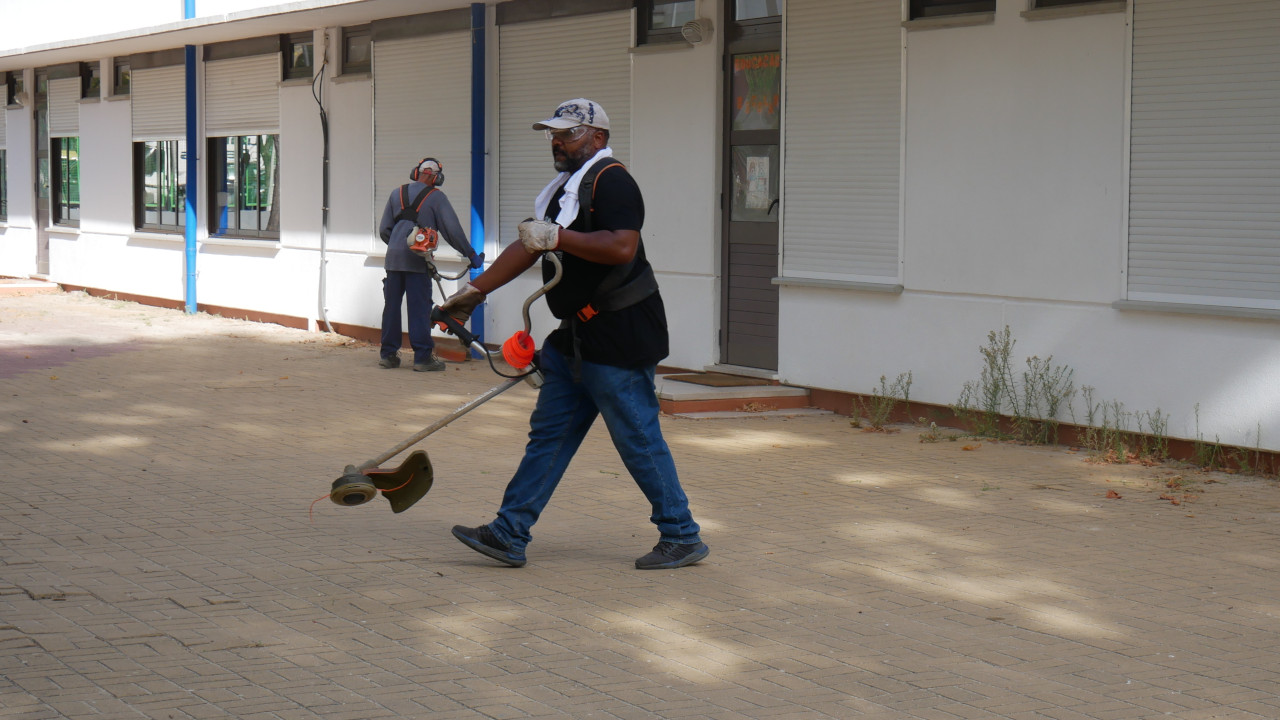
[(602, 359), (417, 212)]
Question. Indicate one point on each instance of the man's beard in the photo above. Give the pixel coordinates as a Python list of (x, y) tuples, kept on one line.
[(571, 162)]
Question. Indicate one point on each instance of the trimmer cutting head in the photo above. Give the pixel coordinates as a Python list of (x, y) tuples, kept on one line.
[(402, 486)]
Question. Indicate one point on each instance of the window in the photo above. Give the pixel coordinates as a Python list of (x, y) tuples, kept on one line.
[(244, 186), (90, 80), (121, 78), (936, 8), (4, 187), (660, 22), (356, 50), (160, 185), (13, 81), (1059, 3), (65, 153), (298, 51), (756, 9)]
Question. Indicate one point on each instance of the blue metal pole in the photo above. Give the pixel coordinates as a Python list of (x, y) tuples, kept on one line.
[(477, 148), (193, 167)]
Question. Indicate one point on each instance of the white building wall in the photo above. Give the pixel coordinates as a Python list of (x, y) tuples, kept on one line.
[(676, 161), (100, 255), (1014, 215), (17, 235), (354, 255), (106, 253)]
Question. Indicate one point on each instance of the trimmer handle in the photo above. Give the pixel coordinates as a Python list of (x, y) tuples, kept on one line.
[(451, 324)]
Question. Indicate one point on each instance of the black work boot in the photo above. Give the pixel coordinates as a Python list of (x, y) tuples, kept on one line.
[(431, 364), (482, 540), (669, 555)]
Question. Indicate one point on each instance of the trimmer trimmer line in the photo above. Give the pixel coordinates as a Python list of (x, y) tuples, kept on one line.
[(407, 484)]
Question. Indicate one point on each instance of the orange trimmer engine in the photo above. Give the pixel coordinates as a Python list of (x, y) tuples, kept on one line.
[(423, 241)]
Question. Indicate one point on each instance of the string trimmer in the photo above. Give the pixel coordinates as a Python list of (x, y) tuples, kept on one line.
[(407, 484)]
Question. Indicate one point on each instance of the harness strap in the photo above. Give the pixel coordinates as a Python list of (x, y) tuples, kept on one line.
[(594, 176), (411, 214), (612, 293)]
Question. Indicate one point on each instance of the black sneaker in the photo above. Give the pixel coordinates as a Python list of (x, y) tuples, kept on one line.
[(434, 364), (389, 362), (669, 555), (482, 540)]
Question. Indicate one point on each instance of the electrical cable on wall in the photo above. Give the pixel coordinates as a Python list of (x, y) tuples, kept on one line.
[(318, 94)]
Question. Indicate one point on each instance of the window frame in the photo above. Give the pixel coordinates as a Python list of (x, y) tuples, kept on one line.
[(4, 185), (179, 187), (216, 177), (90, 80), (646, 34), (364, 35), (922, 9), (13, 85), (121, 66), (64, 181), (289, 71)]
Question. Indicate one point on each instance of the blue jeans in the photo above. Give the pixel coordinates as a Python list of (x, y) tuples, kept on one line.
[(416, 287), (566, 409)]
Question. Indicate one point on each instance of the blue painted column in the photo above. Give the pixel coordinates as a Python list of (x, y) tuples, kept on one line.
[(193, 167), (477, 149)]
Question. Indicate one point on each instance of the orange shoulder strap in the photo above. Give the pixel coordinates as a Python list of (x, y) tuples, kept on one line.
[(600, 172)]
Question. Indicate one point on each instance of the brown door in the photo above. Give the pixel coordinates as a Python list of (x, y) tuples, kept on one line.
[(752, 132)]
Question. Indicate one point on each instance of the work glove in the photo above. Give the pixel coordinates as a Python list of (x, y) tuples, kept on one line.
[(462, 303), (538, 236), (477, 261)]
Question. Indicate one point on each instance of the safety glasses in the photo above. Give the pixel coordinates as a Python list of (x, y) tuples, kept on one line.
[(567, 135)]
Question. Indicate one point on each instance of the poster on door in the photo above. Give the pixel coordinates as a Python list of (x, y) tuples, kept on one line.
[(755, 183), (757, 91)]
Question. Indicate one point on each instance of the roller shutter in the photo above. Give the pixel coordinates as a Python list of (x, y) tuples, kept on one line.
[(534, 76), (158, 100), (422, 108), (242, 96), (1204, 195), (843, 140), (64, 107)]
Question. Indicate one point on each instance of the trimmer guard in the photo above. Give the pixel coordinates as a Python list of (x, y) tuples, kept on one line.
[(402, 486)]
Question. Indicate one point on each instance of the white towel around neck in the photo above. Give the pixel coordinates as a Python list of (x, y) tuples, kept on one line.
[(568, 201)]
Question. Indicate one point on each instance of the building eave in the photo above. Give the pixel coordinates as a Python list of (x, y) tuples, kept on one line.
[(284, 18)]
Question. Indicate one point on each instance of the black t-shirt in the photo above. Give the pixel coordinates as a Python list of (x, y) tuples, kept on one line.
[(632, 336)]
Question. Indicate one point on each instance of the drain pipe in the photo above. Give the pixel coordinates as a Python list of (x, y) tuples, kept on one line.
[(477, 151), (193, 167), (318, 94)]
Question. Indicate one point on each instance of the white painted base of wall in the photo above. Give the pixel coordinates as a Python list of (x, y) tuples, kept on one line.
[(17, 251), (1231, 368)]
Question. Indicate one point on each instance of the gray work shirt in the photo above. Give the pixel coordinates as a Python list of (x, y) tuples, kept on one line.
[(436, 212)]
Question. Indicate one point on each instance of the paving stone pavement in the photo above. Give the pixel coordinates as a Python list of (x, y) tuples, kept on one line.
[(161, 557)]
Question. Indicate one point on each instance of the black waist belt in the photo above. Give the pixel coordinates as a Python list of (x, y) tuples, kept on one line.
[(639, 288), (624, 296)]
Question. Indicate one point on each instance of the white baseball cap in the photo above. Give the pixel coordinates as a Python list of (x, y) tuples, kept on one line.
[(572, 113)]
